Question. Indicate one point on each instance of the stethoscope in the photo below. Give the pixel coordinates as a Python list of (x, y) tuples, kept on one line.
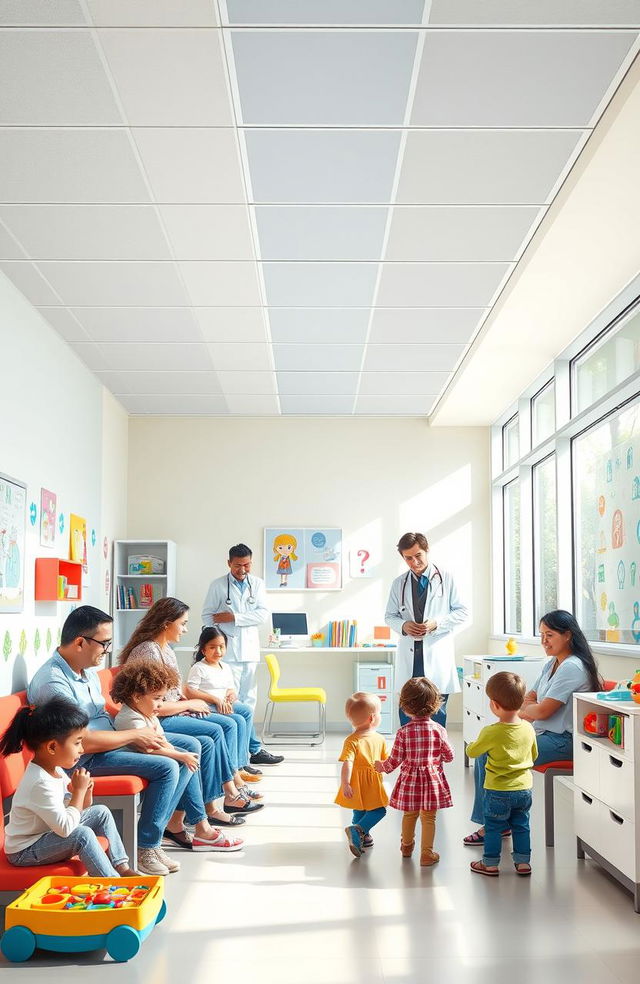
[(403, 607), (251, 600)]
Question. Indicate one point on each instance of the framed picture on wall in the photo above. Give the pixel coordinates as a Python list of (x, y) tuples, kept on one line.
[(302, 558), (13, 520)]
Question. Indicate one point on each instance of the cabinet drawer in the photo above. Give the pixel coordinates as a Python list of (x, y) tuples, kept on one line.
[(586, 765), (587, 819), (617, 783), (469, 725), (618, 842), (372, 679)]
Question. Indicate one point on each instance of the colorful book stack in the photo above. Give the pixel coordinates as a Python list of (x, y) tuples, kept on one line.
[(127, 597), (343, 634)]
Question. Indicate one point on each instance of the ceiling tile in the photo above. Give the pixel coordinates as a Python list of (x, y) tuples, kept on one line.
[(39, 80), (137, 356), (320, 284), (221, 284), (90, 354), (175, 405), (511, 78), (9, 248), (485, 232), (40, 13), (439, 284), (388, 406), (506, 13), (190, 164), (317, 383), (139, 324), (402, 383), (69, 166), (241, 383), (318, 358), (318, 166), (88, 232), (320, 233), (150, 13), (209, 232), (319, 325), (316, 404), (427, 358), (240, 356), (95, 284), (160, 382), (405, 325), (28, 279), (259, 406), (483, 166), (64, 323), (324, 78), (169, 77), (231, 324), (293, 12)]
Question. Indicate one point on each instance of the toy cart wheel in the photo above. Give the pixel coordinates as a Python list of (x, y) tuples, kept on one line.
[(162, 912), (123, 943), (18, 943)]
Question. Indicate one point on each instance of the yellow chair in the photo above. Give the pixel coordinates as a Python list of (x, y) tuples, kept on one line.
[(290, 695)]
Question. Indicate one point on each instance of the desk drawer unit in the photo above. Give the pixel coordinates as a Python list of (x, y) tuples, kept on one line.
[(377, 678)]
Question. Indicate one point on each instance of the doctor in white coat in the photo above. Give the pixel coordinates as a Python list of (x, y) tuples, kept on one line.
[(237, 601), (424, 608)]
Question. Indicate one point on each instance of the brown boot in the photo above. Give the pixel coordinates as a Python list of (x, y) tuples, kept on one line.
[(406, 850), (427, 858)]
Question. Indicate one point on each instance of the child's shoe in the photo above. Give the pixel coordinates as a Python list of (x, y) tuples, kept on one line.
[(427, 858), (367, 840), (406, 850), (355, 840), (149, 864), (170, 864)]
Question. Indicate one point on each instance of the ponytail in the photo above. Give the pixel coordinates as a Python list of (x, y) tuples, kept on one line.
[(34, 726), (14, 737)]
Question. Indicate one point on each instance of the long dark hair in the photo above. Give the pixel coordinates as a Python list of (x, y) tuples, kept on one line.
[(561, 621), (34, 726), (207, 635), (165, 610)]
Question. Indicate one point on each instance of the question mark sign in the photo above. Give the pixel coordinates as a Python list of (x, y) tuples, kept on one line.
[(365, 557)]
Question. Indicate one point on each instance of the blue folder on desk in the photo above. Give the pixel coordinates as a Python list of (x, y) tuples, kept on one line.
[(516, 659), (615, 695)]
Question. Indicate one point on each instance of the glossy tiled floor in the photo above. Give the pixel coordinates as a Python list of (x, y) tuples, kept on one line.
[(295, 908)]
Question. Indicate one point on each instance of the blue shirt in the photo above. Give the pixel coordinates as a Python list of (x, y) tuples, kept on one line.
[(570, 676), (55, 678), (239, 584)]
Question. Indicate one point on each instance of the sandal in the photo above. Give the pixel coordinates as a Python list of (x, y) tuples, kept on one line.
[(250, 793), (181, 839), (231, 821), (219, 843), (481, 869), (477, 838), (523, 868), (246, 805)]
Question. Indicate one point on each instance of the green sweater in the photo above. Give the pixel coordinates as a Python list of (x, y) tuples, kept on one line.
[(511, 750)]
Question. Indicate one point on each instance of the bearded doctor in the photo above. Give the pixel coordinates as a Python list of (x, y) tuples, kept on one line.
[(424, 608)]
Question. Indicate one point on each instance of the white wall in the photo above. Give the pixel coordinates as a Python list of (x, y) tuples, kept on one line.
[(209, 483), (56, 419)]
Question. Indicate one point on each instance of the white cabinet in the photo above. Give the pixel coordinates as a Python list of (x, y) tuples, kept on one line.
[(607, 790), (132, 592), (377, 678), (475, 703)]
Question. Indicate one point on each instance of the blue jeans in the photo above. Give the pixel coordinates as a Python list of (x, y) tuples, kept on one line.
[(197, 727), (440, 717), (503, 810), (366, 819), (234, 727), (167, 781), (552, 747), (83, 841), (253, 744)]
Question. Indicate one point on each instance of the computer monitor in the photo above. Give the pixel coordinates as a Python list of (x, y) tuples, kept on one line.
[(293, 626)]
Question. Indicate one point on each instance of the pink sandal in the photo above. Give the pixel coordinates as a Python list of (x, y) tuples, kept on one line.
[(481, 869)]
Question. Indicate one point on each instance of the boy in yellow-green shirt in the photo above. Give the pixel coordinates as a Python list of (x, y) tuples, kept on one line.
[(511, 750)]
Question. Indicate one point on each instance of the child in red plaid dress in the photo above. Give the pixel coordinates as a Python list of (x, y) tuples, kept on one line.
[(420, 749)]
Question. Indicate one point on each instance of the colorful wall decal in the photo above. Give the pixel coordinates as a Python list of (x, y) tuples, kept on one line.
[(48, 502), (61, 522), (299, 558), (33, 513), (6, 646)]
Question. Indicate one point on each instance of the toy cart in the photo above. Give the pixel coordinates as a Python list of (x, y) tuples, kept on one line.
[(46, 916)]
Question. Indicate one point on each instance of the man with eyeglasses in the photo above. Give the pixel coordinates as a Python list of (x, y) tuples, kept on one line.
[(71, 673)]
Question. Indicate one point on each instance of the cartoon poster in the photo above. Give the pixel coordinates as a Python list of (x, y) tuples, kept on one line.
[(78, 540), (48, 502), (13, 519), (617, 574), (297, 559)]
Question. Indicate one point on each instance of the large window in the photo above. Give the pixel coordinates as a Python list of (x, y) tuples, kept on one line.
[(606, 468), (545, 538), (510, 442), (543, 414), (610, 360), (512, 588)]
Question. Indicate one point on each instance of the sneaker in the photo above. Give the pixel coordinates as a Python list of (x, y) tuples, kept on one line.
[(250, 793), (149, 864), (367, 841), (251, 770), (222, 843), (354, 840), (168, 862), (263, 757)]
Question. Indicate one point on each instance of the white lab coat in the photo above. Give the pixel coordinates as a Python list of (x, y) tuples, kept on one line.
[(443, 604), (244, 640)]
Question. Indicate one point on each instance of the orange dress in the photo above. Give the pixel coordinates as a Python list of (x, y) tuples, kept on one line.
[(368, 792)]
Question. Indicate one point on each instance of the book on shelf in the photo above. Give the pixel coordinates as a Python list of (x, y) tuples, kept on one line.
[(343, 634), (128, 600)]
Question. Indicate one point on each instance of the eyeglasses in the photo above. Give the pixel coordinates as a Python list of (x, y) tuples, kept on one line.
[(105, 643)]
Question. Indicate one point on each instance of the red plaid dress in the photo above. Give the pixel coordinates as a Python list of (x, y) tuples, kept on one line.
[(420, 749)]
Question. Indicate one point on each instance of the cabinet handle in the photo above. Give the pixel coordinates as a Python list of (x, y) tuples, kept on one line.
[(587, 799), (468, 684), (489, 667), (616, 763), (615, 817), (585, 747)]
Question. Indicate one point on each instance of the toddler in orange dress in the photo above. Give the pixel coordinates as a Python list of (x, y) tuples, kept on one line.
[(361, 788)]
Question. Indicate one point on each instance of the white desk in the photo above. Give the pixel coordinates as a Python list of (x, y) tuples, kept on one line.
[(362, 653)]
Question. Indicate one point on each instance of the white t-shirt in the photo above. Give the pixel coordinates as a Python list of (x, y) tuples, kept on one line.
[(214, 680), (127, 718), (38, 808)]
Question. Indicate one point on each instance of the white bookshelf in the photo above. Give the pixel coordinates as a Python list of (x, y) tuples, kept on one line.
[(126, 619)]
